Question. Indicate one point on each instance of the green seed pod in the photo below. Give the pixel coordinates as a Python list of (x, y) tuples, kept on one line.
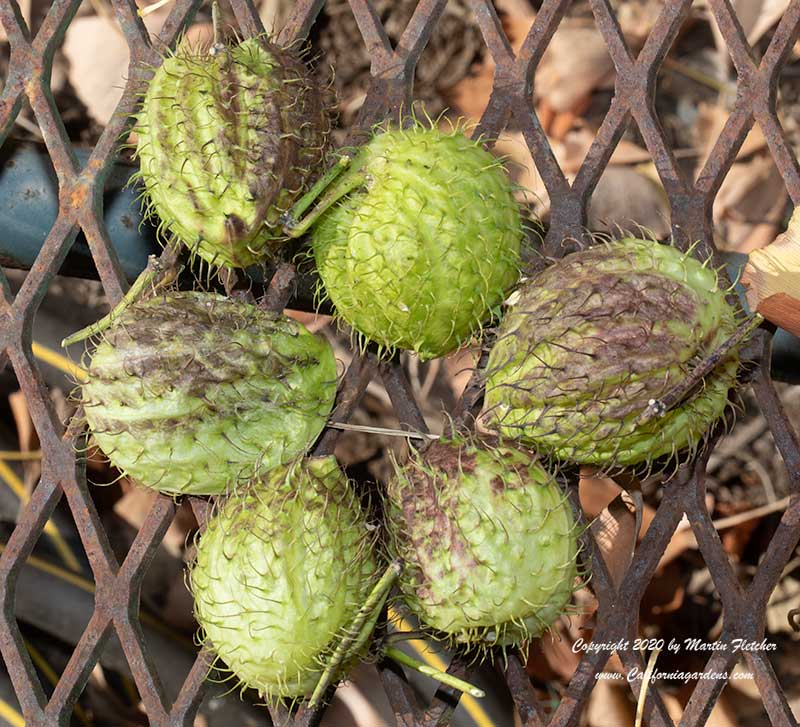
[(423, 242), (590, 341), (488, 541), (227, 139), (189, 393), (280, 573)]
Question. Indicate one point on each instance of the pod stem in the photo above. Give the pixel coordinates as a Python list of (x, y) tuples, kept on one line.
[(294, 225), (659, 407), (357, 632), (404, 659), (217, 45), (158, 274)]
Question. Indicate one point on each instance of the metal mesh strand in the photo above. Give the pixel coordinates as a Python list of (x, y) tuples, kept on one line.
[(116, 606)]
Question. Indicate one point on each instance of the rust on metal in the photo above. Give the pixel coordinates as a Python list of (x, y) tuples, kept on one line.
[(117, 585)]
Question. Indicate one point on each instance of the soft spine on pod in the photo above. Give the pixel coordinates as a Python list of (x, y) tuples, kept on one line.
[(591, 341), (281, 571), (488, 542), (191, 393), (418, 240), (226, 142)]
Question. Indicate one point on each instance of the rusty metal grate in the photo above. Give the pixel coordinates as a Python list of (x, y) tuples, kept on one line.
[(118, 585)]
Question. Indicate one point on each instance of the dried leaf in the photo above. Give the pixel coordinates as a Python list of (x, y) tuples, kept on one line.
[(625, 200), (723, 713), (596, 494), (750, 204), (758, 16), (98, 58), (470, 95), (711, 120), (575, 64), (772, 279), (577, 143), (614, 521), (610, 704), (134, 507), (551, 657), (360, 701)]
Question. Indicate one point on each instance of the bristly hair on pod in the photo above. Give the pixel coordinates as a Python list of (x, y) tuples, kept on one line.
[(228, 136), (488, 540), (194, 393), (593, 342), (416, 236), (283, 567)]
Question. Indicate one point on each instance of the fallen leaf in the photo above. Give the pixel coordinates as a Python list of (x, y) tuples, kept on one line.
[(135, 505), (551, 656), (711, 120), (664, 594), (755, 16), (626, 201), (750, 204), (98, 58), (723, 713), (615, 534), (772, 279), (575, 64), (576, 144), (610, 704)]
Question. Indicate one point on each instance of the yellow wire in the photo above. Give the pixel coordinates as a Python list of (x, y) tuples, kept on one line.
[(52, 677), (52, 532), (17, 456), (59, 361), (423, 650), (10, 715), (88, 586), (471, 705), (76, 580), (13, 481)]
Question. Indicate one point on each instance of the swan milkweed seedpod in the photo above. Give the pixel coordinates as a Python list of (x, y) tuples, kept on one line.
[(227, 139), (418, 240), (190, 393), (281, 571), (590, 342), (488, 541)]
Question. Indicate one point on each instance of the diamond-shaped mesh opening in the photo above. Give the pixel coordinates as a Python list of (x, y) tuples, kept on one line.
[(752, 203), (630, 200)]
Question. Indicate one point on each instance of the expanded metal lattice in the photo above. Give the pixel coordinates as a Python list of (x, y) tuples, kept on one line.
[(116, 605)]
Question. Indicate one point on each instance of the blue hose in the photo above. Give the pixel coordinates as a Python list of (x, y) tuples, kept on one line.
[(29, 205)]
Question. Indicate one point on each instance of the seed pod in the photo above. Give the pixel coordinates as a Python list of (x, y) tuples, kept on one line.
[(280, 573), (423, 242), (189, 393), (590, 341), (487, 539), (226, 141)]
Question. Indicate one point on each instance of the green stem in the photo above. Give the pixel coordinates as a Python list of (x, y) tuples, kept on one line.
[(356, 633), (156, 275), (293, 225), (441, 676), (215, 21)]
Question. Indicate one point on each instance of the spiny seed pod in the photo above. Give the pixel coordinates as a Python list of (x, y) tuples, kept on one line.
[(227, 139), (281, 571), (423, 242), (487, 539), (189, 393), (592, 340)]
